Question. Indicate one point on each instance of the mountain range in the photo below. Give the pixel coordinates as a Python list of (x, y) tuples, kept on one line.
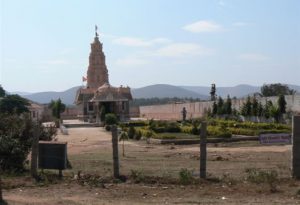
[(157, 90)]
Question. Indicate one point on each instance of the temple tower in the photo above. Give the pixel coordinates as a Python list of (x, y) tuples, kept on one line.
[(97, 73)]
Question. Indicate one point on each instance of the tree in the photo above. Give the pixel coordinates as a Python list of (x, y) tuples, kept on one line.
[(228, 106), (260, 109), (254, 107), (14, 104), (123, 137), (220, 106), (247, 107), (267, 109), (213, 92), (57, 108), (276, 90), (2, 92), (281, 104), (110, 119), (214, 109)]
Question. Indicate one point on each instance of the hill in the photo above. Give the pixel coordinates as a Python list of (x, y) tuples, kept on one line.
[(66, 96), (158, 90), (164, 91)]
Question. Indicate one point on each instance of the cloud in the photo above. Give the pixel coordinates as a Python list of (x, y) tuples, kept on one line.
[(203, 26), (131, 61), (183, 49), (255, 57), (138, 42), (239, 24)]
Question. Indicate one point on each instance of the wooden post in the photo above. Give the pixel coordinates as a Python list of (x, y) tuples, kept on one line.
[(203, 151), (296, 147), (115, 151), (34, 152)]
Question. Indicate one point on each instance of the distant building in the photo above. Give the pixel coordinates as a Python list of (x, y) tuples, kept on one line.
[(36, 111), (98, 93)]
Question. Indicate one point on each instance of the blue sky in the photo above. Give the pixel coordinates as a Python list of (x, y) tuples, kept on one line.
[(45, 44)]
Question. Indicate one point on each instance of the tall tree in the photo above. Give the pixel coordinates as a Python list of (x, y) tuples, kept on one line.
[(246, 109), (228, 105), (213, 92), (215, 109), (220, 106), (276, 89), (281, 104), (254, 107), (57, 108)]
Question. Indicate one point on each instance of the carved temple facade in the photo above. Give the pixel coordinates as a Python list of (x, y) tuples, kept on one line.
[(98, 95)]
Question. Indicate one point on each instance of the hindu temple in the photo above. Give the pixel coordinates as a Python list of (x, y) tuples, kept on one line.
[(98, 96)]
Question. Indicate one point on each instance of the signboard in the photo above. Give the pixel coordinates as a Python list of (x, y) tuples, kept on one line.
[(278, 138)]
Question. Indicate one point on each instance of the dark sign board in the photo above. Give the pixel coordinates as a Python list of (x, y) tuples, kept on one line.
[(52, 155), (275, 138)]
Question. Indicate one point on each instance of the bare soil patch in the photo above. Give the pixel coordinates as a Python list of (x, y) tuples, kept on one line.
[(90, 152)]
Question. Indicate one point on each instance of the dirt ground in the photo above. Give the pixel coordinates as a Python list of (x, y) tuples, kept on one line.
[(90, 153)]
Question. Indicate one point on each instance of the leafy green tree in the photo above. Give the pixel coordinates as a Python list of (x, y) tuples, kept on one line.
[(2, 92), (276, 89), (14, 104), (281, 104), (228, 106), (254, 107), (220, 106), (260, 109), (275, 113), (110, 119), (246, 109), (215, 109), (57, 108), (123, 137), (131, 132), (267, 109)]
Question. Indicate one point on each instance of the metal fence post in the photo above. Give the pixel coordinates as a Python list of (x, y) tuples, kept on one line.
[(115, 151), (203, 151)]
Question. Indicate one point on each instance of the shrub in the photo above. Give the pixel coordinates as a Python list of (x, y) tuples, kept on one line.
[(110, 119), (261, 176), (172, 127), (185, 176), (16, 140), (107, 128), (137, 176), (216, 131), (138, 135), (131, 132)]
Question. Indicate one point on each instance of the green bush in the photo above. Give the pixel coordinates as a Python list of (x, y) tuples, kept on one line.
[(137, 176), (110, 119), (220, 132), (131, 132), (138, 135), (186, 176), (15, 141), (172, 127)]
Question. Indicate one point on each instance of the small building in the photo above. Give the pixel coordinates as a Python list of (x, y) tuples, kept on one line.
[(98, 94), (36, 111)]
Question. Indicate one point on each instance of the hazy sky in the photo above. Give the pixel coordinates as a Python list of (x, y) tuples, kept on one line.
[(45, 44)]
